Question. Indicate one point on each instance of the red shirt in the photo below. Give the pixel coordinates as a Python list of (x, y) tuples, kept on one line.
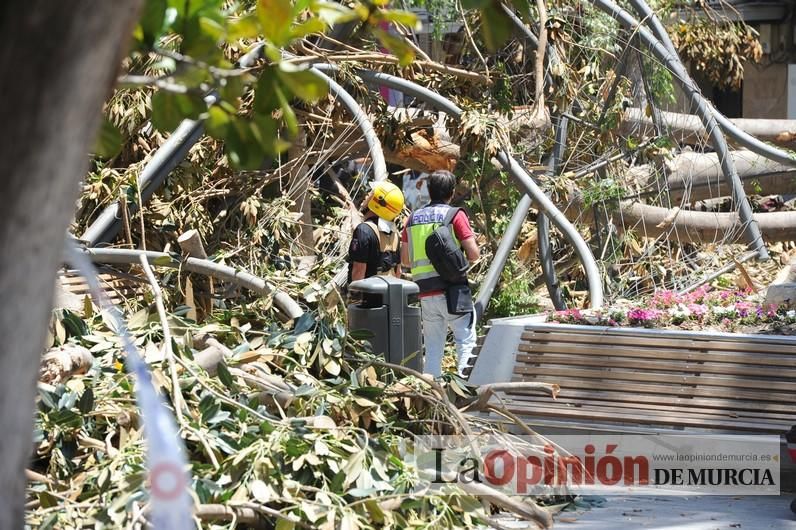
[(463, 231)]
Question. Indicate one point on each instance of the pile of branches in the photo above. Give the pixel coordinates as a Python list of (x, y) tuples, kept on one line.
[(285, 428)]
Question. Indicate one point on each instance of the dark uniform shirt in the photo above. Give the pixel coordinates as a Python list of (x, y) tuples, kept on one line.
[(364, 248)]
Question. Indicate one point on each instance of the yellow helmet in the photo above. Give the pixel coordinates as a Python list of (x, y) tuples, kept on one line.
[(387, 200)]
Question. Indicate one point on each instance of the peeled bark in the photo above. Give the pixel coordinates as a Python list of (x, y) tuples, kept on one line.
[(60, 364), (687, 128), (697, 176), (58, 63), (686, 225)]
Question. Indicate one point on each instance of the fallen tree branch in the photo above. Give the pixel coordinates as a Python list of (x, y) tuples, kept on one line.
[(526, 510), (380, 58), (687, 128), (168, 352), (61, 363), (288, 307)]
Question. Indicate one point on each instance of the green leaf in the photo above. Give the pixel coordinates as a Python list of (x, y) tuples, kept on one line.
[(496, 26), (162, 260), (86, 402), (152, 20), (303, 83), (200, 38), (407, 18), (475, 4), (308, 27), (288, 114), (285, 524), (169, 109), (218, 122), (109, 140), (266, 99), (396, 45), (333, 13), (224, 376), (246, 27), (275, 17), (66, 418)]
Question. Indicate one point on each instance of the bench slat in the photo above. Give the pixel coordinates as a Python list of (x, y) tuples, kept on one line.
[(642, 351), (675, 390), (601, 336), (623, 375), (588, 403), (623, 398), (646, 364), (647, 419)]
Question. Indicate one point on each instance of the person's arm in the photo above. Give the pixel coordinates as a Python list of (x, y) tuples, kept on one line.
[(405, 256), (465, 234), (405, 261), (358, 270), (359, 250), (471, 249)]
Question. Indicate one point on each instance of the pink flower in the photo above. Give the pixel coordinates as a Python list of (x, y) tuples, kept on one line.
[(744, 308), (643, 316), (665, 298)]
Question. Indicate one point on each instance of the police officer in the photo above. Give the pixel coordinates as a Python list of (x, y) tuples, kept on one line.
[(433, 302), (374, 247)]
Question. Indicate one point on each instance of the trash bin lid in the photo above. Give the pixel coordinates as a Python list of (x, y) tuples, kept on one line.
[(381, 284)]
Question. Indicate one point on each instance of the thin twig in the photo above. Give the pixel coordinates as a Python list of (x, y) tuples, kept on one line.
[(540, 53), (176, 393), (470, 37), (141, 210)]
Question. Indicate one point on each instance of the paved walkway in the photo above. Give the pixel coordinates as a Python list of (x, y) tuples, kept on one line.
[(684, 513)]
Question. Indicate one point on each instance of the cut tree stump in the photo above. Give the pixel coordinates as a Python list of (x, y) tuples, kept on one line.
[(59, 364)]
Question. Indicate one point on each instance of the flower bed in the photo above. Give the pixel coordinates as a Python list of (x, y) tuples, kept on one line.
[(701, 309)]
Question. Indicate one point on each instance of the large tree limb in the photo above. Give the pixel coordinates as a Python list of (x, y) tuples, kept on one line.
[(687, 128), (686, 225), (697, 176)]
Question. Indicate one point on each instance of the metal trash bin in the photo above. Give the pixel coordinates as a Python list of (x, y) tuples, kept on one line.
[(388, 308)]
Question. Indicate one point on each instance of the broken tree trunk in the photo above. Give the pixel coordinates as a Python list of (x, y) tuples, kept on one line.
[(300, 185), (201, 304), (687, 128), (697, 176), (685, 225)]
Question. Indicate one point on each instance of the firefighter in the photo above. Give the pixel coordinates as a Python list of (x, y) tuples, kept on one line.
[(374, 247)]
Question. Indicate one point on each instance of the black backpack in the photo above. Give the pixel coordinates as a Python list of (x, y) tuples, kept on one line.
[(445, 254)]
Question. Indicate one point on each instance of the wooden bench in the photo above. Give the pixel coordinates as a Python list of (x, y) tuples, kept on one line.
[(613, 378)]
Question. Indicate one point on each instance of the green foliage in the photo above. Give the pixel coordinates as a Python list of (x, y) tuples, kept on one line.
[(309, 427), (192, 37), (601, 191), (109, 140), (514, 295)]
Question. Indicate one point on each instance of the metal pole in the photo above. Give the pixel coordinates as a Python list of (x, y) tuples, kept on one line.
[(751, 230), (742, 137), (492, 277), (513, 167), (365, 125), (543, 224)]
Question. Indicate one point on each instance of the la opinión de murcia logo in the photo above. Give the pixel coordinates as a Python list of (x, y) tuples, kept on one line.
[(635, 464)]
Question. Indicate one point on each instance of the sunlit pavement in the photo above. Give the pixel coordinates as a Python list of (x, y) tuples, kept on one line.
[(684, 513)]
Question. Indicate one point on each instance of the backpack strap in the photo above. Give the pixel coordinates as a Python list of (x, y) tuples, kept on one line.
[(450, 215)]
